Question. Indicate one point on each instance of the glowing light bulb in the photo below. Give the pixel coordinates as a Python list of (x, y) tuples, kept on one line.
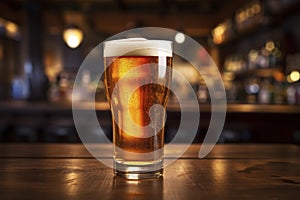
[(179, 38), (11, 28), (270, 45), (294, 76), (73, 37)]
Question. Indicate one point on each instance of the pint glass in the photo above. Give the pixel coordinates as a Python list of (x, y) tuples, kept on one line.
[(137, 78)]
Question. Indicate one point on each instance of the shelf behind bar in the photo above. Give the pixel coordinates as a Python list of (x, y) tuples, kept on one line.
[(244, 108), (40, 107)]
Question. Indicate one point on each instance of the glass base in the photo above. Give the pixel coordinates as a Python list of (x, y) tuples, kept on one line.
[(139, 176), (138, 170)]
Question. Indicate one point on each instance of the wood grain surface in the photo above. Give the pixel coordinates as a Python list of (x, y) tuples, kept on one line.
[(68, 171)]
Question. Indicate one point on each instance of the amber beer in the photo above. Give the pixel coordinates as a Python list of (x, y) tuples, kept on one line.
[(146, 64)]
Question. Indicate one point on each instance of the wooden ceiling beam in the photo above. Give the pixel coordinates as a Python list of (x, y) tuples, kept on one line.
[(116, 19), (8, 12), (114, 22)]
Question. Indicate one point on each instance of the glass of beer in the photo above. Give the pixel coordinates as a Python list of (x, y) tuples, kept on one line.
[(137, 78)]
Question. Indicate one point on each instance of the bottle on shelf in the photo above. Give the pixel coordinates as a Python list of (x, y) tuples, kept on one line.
[(202, 94), (293, 78), (291, 95), (265, 92), (278, 93), (298, 94), (252, 89)]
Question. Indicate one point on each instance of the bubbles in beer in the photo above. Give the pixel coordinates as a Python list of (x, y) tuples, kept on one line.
[(136, 86)]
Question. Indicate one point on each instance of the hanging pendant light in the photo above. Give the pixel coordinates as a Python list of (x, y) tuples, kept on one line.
[(73, 36)]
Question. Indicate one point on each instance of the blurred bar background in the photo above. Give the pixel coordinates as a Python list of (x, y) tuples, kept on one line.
[(255, 44)]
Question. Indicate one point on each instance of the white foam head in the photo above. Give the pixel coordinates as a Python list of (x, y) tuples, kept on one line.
[(137, 47)]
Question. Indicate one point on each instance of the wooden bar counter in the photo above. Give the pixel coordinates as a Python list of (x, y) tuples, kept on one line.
[(230, 171)]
